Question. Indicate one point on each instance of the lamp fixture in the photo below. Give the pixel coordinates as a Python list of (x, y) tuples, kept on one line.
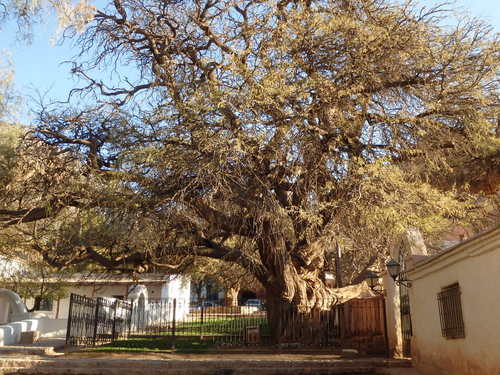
[(373, 281), (394, 269)]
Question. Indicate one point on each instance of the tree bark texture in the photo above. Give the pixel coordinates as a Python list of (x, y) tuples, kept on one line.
[(231, 296)]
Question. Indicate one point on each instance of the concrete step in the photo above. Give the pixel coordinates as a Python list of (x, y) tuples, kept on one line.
[(27, 350), (185, 371), (190, 364)]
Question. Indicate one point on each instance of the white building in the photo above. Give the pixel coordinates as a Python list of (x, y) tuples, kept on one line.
[(454, 307), (52, 318), (158, 286)]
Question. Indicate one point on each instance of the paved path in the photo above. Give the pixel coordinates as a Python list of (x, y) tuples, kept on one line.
[(235, 362), (399, 371), (44, 346), (80, 363)]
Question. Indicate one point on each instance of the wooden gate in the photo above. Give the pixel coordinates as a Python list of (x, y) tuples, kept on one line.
[(365, 326)]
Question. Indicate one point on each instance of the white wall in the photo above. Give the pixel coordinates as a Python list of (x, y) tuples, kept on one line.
[(86, 290), (393, 315), (172, 287), (10, 305), (176, 286), (475, 265), (10, 334)]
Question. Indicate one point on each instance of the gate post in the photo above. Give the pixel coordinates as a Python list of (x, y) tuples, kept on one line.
[(68, 328), (129, 318), (386, 334), (113, 329), (173, 316), (202, 318), (96, 319), (173, 323)]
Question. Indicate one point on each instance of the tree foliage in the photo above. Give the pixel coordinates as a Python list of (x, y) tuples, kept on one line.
[(229, 277), (30, 12), (265, 132)]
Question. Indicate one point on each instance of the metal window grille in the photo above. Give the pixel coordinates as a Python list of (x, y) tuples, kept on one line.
[(43, 303), (450, 312)]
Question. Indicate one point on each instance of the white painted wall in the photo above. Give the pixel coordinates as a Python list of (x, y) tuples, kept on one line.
[(178, 287), (475, 265), (89, 291), (173, 287), (393, 315), (10, 305), (54, 323), (10, 334)]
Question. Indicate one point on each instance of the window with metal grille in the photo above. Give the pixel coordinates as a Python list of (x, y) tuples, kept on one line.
[(43, 304), (450, 312)]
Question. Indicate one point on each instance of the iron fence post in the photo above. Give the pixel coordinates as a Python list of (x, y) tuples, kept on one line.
[(96, 319), (68, 328), (113, 328), (129, 319), (201, 318), (173, 316), (173, 322)]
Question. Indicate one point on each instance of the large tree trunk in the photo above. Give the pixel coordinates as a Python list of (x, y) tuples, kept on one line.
[(300, 306), (231, 296), (297, 299), (290, 324)]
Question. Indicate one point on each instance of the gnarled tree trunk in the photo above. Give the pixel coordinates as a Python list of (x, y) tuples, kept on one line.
[(299, 303), (231, 296)]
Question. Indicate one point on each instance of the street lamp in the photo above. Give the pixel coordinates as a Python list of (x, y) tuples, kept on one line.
[(394, 269), (372, 279)]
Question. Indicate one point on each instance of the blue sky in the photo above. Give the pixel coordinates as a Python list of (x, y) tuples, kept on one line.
[(39, 67)]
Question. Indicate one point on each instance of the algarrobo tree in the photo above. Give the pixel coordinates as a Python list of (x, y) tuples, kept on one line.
[(264, 132), (229, 276)]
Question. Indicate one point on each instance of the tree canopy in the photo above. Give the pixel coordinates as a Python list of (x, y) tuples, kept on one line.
[(264, 133)]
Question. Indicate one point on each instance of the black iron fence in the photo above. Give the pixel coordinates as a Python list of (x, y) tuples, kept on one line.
[(209, 320), (93, 321), (97, 320)]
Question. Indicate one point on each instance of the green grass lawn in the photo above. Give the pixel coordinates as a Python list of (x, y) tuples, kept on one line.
[(220, 326), (156, 345), (213, 329)]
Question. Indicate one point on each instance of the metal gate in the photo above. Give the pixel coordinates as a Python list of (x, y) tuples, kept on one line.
[(406, 329), (98, 320), (404, 307)]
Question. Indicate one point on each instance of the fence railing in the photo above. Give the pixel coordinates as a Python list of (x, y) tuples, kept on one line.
[(97, 320), (206, 319)]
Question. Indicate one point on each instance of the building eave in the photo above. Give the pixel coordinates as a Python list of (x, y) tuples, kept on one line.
[(474, 246)]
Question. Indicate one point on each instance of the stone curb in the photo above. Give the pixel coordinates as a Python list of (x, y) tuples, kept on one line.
[(207, 371), (194, 363), (29, 350)]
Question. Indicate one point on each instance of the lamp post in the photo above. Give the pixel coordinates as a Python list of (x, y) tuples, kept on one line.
[(394, 269), (373, 279)]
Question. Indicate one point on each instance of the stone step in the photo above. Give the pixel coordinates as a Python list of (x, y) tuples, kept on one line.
[(19, 362), (185, 371), (26, 350)]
